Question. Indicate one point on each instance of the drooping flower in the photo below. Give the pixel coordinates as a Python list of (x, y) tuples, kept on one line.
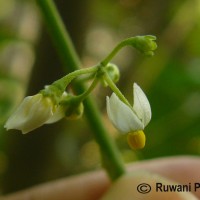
[(130, 120), (33, 112)]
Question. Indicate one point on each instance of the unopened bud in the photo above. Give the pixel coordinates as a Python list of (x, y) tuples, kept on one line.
[(74, 112), (145, 44), (113, 72)]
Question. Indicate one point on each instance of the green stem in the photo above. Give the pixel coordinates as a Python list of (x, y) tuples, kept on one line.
[(110, 153), (106, 60), (83, 96), (115, 89), (64, 81), (78, 99)]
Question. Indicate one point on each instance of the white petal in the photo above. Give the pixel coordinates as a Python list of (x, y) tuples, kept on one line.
[(122, 116), (58, 112), (57, 115), (33, 112), (141, 105)]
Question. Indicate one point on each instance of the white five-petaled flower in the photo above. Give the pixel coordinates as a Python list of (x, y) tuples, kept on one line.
[(33, 112), (131, 120)]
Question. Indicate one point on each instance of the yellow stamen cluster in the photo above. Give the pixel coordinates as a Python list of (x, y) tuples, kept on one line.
[(136, 139)]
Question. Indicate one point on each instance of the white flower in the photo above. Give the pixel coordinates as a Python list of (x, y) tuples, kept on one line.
[(59, 112), (33, 112), (130, 120)]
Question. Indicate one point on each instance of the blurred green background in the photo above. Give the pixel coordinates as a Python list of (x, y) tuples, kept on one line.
[(171, 80)]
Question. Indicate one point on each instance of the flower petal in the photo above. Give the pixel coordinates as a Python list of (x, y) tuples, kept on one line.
[(58, 112), (32, 113), (57, 115), (141, 105), (122, 116)]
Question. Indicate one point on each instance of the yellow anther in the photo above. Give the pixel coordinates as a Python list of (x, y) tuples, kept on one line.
[(136, 139)]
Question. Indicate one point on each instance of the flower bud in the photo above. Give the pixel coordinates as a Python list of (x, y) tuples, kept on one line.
[(113, 72), (145, 44), (74, 112)]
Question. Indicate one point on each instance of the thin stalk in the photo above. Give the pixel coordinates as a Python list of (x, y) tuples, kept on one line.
[(110, 153), (83, 96), (108, 58), (64, 81), (115, 89)]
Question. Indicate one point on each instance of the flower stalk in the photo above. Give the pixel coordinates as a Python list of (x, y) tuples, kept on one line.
[(110, 154), (115, 89)]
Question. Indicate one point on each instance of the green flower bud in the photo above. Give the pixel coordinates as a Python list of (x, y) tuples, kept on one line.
[(145, 44), (74, 112), (73, 108), (113, 72)]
